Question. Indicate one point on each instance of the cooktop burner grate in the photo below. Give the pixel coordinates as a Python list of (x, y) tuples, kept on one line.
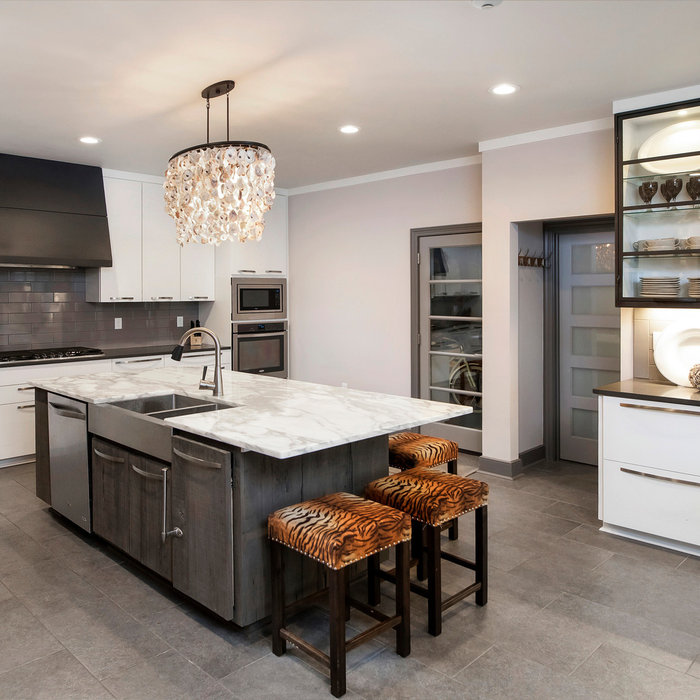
[(47, 354)]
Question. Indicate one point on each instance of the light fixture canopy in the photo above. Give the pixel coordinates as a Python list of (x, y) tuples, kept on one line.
[(219, 191), (503, 89)]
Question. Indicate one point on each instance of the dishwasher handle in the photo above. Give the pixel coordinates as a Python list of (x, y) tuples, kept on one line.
[(165, 533), (66, 411)]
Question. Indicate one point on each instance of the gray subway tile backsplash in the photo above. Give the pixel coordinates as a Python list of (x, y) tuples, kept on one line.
[(47, 308)]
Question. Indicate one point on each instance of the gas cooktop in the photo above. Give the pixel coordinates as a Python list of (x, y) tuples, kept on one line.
[(46, 355)]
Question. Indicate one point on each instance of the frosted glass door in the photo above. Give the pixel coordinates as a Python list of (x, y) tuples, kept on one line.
[(450, 332), (589, 339)]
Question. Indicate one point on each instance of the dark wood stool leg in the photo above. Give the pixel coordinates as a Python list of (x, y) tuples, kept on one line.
[(403, 598), (347, 598), (454, 529), (481, 558), (434, 581), (279, 646), (374, 593), (418, 548), (336, 592), (452, 466)]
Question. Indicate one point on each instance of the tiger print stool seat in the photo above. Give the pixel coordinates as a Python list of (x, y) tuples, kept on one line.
[(432, 499), (338, 530), (408, 450)]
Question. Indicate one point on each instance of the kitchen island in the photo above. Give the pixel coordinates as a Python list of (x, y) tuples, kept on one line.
[(188, 496)]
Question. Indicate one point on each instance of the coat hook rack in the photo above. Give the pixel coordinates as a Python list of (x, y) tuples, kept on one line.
[(535, 260)]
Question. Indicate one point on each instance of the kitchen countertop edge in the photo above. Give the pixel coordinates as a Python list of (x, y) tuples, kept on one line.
[(646, 390)]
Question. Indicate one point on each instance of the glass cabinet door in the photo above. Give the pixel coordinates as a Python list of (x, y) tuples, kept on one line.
[(451, 331), (658, 206)]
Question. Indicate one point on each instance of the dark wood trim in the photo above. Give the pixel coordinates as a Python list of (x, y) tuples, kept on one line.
[(532, 456), (416, 235)]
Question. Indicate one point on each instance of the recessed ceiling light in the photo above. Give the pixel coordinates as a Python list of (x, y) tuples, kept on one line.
[(504, 89), (349, 129), (90, 139)]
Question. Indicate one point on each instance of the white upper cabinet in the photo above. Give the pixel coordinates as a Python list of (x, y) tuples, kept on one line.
[(161, 252), (268, 256), (122, 281), (148, 264), (197, 279)]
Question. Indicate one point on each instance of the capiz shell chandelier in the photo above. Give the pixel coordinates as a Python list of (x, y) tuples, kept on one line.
[(220, 191)]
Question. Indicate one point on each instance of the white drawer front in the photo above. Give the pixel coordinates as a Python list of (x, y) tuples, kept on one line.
[(14, 393), (199, 359), (644, 499), (137, 364), (17, 432), (29, 373), (652, 433)]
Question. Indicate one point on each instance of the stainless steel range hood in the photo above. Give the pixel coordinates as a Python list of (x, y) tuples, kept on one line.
[(52, 214)]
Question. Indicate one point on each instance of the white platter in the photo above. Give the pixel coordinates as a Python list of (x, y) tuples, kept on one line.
[(676, 350), (677, 138)]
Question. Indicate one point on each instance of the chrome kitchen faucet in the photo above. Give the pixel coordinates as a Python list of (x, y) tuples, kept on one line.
[(218, 384)]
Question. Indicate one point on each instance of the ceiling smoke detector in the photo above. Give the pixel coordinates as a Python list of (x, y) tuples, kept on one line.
[(486, 4)]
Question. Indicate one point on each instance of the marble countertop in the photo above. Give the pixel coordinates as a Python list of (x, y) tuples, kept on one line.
[(647, 390), (278, 417)]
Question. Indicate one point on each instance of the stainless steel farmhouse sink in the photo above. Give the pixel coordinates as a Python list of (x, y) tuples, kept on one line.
[(139, 423)]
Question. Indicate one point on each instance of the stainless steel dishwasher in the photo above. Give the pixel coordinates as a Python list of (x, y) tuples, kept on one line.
[(68, 460)]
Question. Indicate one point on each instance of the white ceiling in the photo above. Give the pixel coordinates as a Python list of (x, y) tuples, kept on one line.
[(413, 75)]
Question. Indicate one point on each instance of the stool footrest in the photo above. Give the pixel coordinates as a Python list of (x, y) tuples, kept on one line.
[(458, 560), (307, 648), (372, 631), (449, 602)]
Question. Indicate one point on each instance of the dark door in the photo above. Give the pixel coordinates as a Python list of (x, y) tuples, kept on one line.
[(110, 493)]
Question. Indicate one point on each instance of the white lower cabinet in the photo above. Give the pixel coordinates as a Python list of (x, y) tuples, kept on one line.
[(649, 478), (137, 364), (201, 359)]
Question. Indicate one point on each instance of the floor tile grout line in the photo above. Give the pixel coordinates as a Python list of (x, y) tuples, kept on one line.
[(571, 673)]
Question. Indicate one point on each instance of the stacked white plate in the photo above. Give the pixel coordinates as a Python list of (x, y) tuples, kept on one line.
[(694, 286), (659, 286)]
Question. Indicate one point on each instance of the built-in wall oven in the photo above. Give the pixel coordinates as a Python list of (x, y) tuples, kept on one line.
[(260, 348), (258, 298)]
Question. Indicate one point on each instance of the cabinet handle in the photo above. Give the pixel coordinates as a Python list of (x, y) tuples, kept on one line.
[(661, 408), (660, 478), (158, 298), (121, 298), (133, 362), (196, 460), (253, 271), (108, 458), (26, 405), (279, 272), (25, 388), (165, 533), (195, 297), (67, 411), (148, 475)]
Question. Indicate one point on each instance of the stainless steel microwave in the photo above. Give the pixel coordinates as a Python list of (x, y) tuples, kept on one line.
[(258, 298)]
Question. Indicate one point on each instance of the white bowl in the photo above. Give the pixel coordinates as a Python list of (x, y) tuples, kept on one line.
[(676, 350)]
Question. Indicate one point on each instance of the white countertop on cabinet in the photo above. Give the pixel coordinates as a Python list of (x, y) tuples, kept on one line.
[(278, 417)]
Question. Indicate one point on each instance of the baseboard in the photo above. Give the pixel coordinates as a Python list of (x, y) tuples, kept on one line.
[(533, 455), (16, 461), (501, 468)]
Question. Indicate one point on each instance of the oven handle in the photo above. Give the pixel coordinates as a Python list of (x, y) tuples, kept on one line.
[(271, 334)]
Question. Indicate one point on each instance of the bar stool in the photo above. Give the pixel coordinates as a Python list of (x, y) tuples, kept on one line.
[(433, 498), (408, 450), (338, 530)]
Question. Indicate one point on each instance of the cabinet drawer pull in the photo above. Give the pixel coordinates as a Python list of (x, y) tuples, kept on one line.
[(661, 408), (160, 298), (279, 272), (108, 458), (195, 297), (148, 475), (67, 411), (121, 298), (25, 388), (660, 478), (25, 406), (253, 271), (196, 460), (133, 362)]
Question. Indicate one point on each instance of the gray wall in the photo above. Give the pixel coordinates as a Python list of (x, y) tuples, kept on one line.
[(47, 308)]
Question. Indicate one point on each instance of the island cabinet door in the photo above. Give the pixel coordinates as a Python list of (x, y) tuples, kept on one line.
[(110, 493), (149, 499), (202, 509)]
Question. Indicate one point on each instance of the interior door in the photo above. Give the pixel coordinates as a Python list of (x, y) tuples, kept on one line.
[(589, 338), (450, 357)]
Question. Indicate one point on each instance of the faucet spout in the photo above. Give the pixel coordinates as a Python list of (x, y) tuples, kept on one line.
[(218, 384)]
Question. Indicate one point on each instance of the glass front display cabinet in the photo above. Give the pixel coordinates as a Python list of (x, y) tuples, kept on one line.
[(657, 206)]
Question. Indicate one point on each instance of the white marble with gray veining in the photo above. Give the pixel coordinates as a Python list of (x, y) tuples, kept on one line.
[(277, 417)]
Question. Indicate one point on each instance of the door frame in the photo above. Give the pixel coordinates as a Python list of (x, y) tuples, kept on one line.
[(551, 231), (416, 235)]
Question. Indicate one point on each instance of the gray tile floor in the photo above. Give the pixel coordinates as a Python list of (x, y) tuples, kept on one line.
[(572, 613)]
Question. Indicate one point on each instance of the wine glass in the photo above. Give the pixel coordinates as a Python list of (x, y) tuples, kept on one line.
[(647, 190), (693, 187), (674, 185)]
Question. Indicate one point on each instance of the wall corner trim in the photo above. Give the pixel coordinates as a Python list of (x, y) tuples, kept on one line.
[(555, 132), (656, 99), (387, 175)]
